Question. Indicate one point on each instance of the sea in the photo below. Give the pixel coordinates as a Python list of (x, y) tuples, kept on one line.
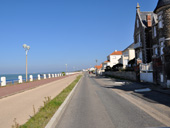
[(10, 77)]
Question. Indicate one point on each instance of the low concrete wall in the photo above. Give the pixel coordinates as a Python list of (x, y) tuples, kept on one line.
[(126, 75)]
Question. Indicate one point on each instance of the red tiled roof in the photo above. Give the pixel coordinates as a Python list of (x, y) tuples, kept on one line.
[(106, 61), (117, 53), (98, 66)]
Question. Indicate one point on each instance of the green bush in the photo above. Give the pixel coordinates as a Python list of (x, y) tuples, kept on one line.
[(63, 73)]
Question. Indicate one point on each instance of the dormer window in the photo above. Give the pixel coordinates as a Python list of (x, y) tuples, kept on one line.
[(160, 21)]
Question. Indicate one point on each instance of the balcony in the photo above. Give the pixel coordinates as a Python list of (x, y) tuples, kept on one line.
[(138, 45), (146, 67)]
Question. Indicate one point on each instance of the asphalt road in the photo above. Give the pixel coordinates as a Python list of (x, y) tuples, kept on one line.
[(95, 106)]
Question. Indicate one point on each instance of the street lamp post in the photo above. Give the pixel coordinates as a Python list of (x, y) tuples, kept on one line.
[(26, 47), (66, 69), (96, 67)]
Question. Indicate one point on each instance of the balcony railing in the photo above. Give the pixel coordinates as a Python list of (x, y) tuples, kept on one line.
[(138, 45), (146, 67)]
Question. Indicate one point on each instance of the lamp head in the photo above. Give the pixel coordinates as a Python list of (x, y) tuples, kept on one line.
[(28, 47), (24, 46)]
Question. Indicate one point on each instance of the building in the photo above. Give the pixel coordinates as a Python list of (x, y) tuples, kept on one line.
[(105, 64), (127, 55), (161, 43), (152, 40), (142, 36), (114, 58), (98, 69)]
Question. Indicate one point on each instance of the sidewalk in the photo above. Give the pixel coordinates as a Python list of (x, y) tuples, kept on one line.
[(156, 88), (17, 88), (153, 87), (22, 105)]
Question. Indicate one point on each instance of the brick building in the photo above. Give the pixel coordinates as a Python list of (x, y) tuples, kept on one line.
[(152, 40)]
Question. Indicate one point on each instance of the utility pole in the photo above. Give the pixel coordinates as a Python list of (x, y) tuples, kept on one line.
[(96, 67)]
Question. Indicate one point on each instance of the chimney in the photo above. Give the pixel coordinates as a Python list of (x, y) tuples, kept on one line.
[(138, 7), (149, 20), (115, 50)]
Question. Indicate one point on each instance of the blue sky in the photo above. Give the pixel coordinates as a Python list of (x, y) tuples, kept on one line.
[(59, 32)]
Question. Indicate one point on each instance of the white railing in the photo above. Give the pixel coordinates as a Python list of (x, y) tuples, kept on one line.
[(3, 81), (137, 45), (146, 67)]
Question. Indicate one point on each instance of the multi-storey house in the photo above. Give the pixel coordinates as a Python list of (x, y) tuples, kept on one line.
[(142, 36), (152, 40), (114, 57), (161, 43), (127, 55)]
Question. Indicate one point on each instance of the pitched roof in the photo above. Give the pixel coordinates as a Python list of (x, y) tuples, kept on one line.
[(98, 66), (162, 3), (117, 53), (131, 46), (106, 61)]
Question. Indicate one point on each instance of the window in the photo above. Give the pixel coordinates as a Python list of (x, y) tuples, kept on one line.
[(162, 78), (154, 31), (137, 23), (161, 48), (160, 22), (140, 55), (138, 38), (156, 51), (125, 62)]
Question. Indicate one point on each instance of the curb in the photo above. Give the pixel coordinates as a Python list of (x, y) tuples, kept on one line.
[(54, 120)]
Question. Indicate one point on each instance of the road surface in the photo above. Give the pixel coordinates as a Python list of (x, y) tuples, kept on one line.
[(94, 105)]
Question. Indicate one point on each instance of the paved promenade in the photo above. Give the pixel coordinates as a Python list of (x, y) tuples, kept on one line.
[(20, 105), (13, 89)]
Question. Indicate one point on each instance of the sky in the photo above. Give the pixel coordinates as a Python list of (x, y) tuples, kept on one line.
[(59, 32)]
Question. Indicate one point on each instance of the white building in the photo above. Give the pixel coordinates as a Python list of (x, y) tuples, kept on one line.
[(127, 55), (99, 69), (105, 64), (114, 58)]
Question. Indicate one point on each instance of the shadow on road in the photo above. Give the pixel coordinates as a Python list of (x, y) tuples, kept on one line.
[(152, 96)]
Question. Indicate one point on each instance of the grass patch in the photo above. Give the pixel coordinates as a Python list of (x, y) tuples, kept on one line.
[(40, 119)]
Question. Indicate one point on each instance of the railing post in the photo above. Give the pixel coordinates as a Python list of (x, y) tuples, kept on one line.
[(19, 79), (49, 75), (52, 75), (3, 81), (31, 77), (39, 78), (44, 76)]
